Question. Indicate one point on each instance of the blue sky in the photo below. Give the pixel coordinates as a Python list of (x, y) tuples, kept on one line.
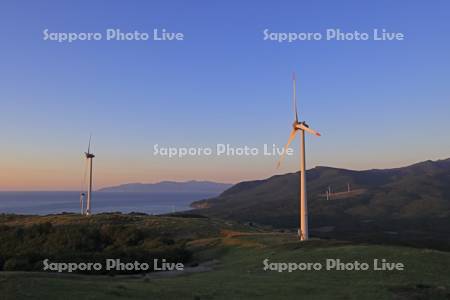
[(377, 104)]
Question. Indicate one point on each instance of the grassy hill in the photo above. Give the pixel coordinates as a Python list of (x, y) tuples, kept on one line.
[(409, 205), (238, 273), (25, 241)]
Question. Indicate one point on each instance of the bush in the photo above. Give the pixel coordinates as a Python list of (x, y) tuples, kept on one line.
[(18, 263)]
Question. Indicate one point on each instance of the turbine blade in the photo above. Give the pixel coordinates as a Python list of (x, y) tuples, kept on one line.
[(89, 145), (291, 138), (294, 96), (307, 129)]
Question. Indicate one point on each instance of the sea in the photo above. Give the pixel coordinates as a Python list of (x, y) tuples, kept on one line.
[(44, 203)]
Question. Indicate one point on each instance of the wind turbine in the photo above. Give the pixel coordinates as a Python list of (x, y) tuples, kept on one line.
[(303, 234), (82, 202), (89, 158)]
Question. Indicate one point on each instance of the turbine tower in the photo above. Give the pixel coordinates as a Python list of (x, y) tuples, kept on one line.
[(303, 234), (89, 158)]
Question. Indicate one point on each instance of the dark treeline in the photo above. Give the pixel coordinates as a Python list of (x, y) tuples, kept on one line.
[(24, 247)]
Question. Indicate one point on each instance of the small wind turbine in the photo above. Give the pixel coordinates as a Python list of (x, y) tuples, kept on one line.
[(82, 203), (89, 158), (303, 234)]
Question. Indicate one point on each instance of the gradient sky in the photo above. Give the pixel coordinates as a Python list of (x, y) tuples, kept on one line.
[(377, 104)]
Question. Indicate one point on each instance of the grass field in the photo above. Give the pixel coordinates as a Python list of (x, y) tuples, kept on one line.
[(236, 262)]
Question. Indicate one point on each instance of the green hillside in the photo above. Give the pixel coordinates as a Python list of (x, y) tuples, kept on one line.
[(25, 241), (237, 272), (223, 260)]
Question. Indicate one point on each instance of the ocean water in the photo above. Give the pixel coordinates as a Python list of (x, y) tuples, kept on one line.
[(43, 203)]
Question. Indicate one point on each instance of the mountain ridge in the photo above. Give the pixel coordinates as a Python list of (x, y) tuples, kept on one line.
[(167, 186), (412, 202)]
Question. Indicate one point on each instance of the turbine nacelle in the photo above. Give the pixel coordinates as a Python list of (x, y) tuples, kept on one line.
[(305, 127), (297, 124), (89, 155)]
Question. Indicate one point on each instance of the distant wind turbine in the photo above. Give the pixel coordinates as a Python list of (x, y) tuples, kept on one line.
[(303, 234), (82, 202), (89, 158)]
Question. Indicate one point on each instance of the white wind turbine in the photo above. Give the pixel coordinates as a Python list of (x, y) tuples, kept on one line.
[(89, 158), (303, 234)]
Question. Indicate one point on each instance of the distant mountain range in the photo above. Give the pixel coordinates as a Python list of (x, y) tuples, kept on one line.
[(206, 187), (410, 204)]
